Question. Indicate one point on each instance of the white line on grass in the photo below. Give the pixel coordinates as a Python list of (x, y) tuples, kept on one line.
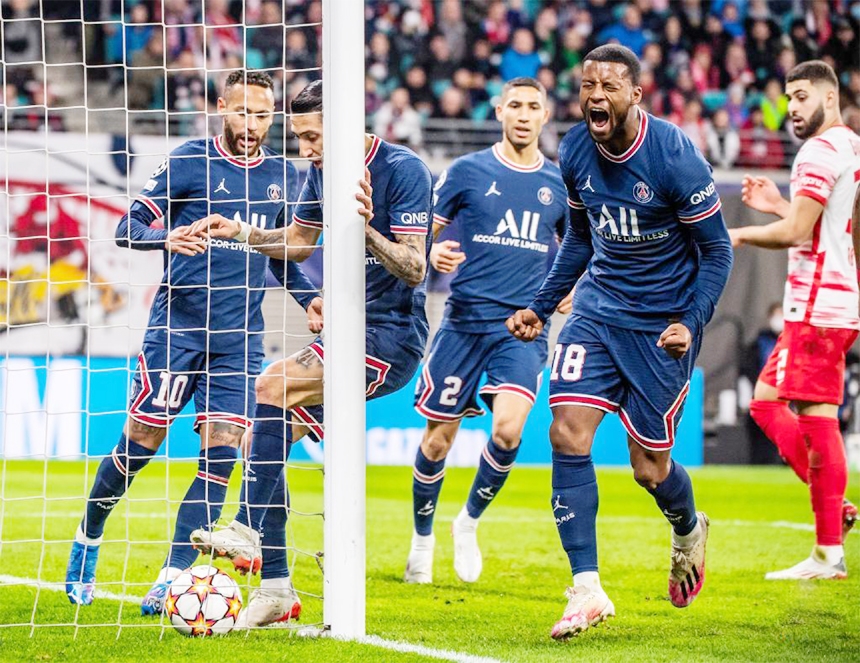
[(372, 640)]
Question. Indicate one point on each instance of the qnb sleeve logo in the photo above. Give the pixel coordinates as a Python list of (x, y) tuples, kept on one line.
[(413, 218), (703, 194)]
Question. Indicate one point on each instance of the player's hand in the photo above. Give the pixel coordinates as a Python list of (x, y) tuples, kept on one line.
[(565, 306), (736, 235), (445, 257), (524, 325), (216, 225), (315, 315), (761, 193), (675, 340), (365, 198), (182, 241)]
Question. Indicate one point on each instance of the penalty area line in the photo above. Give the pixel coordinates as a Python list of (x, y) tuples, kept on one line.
[(370, 640)]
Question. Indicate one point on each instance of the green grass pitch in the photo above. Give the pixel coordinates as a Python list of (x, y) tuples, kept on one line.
[(760, 521)]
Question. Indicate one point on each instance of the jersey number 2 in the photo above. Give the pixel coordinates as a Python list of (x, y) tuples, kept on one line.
[(449, 395), (571, 365)]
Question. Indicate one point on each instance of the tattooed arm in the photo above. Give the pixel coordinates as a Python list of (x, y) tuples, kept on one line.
[(294, 242), (404, 258)]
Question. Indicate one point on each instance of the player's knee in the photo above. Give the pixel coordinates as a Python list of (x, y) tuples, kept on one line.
[(650, 472), (269, 387), (436, 445), (567, 437), (507, 434)]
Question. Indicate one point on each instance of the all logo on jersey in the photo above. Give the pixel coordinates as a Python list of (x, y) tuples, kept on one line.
[(545, 195), (222, 188), (256, 220), (642, 193), (624, 227), (274, 192), (520, 233), (493, 191), (587, 186)]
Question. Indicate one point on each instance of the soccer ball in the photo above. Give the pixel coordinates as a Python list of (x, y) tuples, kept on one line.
[(203, 600)]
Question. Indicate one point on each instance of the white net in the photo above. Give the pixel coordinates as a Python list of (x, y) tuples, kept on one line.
[(95, 95)]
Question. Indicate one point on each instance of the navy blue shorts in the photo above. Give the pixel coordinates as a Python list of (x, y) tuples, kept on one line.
[(391, 357), (447, 389), (621, 370), (222, 385)]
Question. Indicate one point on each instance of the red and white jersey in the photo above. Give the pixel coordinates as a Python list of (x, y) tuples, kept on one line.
[(821, 288)]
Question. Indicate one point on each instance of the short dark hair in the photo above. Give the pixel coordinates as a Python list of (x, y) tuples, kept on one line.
[(242, 77), (620, 54), (524, 81), (309, 100), (814, 71)]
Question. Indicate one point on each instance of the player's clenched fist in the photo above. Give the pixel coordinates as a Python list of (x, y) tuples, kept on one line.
[(675, 340), (445, 257), (525, 325)]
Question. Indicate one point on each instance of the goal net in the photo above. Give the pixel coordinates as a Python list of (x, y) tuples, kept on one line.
[(92, 103)]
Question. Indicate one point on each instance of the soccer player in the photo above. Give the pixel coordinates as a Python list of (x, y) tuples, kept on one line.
[(397, 211), (204, 337), (508, 204), (646, 230), (807, 365)]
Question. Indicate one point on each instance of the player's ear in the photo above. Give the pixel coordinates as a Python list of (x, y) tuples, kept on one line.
[(637, 94), (221, 105), (499, 112)]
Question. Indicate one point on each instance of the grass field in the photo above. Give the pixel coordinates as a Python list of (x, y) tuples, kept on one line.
[(760, 521)]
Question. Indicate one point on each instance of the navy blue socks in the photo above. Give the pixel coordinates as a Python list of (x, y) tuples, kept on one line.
[(574, 506)]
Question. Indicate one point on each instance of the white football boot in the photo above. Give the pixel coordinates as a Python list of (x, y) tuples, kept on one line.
[(586, 607), (814, 567), (270, 606), (419, 564), (687, 574), (237, 542), (467, 555)]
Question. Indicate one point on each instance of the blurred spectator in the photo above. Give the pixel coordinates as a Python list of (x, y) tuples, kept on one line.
[(652, 22), (377, 60), (137, 32), (804, 46), (843, 45), (298, 60), (520, 59), (397, 121), (731, 18), (724, 143), (851, 117), (628, 31), (267, 37), (774, 105), (419, 91), (546, 32), (694, 126), (454, 28), (480, 60), (180, 31), (452, 105), (760, 147), (736, 69), (785, 62), (706, 76), (22, 39), (818, 21), (496, 27), (716, 37), (736, 106), (146, 72), (441, 66), (600, 14), (760, 49), (676, 53)]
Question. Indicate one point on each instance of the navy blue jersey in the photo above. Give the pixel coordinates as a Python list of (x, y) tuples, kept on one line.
[(659, 251), (212, 300), (402, 205), (506, 216)]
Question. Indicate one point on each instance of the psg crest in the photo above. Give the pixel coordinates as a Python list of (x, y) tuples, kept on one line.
[(642, 192), (274, 192), (545, 195)]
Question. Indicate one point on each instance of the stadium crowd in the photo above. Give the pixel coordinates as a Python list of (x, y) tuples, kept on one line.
[(713, 67)]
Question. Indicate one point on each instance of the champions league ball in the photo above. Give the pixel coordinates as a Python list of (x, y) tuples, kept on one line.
[(203, 601)]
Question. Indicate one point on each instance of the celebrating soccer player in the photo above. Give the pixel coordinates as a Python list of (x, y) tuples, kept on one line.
[(508, 205), (807, 366), (397, 211), (204, 337), (647, 232)]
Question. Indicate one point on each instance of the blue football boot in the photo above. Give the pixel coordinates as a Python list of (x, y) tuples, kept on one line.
[(81, 573)]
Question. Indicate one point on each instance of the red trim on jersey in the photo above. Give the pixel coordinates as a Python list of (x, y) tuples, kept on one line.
[(307, 224), (374, 148), (381, 367), (214, 478), (575, 205), (306, 419), (432, 415), (409, 230), (318, 350), (826, 143), (584, 400), (510, 389), (533, 168), (819, 269), (630, 151), (811, 194), (158, 421), (224, 417), (441, 220), (641, 440), (857, 175), (713, 209), (253, 163), (150, 205)]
